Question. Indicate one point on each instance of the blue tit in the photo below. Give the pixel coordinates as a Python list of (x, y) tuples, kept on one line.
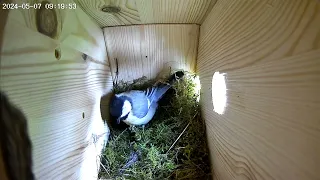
[(137, 107)]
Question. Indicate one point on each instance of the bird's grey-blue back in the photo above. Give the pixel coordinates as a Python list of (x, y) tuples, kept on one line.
[(139, 102), (142, 100)]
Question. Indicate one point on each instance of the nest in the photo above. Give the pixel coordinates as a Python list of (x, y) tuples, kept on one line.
[(172, 145)]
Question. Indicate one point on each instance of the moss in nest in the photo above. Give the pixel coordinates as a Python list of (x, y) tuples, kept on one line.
[(172, 145)]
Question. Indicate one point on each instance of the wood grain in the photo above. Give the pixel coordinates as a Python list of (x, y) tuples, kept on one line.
[(75, 29), (270, 53), (80, 32), (149, 50), (27, 17), (61, 98), (147, 12)]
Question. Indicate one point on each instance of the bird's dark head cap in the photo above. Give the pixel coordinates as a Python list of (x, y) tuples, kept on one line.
[(116, 105)]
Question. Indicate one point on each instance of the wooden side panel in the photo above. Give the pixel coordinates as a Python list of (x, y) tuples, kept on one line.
[(59, 96), (75, 28), (146, 50), (269, 52), (147, 12)]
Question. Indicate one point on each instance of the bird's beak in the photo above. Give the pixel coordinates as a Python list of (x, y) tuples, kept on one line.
[(118, 120)]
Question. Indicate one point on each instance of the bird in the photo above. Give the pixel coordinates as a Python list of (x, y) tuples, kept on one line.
[(137, 107)]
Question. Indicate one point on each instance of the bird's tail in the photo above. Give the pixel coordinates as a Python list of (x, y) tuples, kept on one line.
[(155, 93)]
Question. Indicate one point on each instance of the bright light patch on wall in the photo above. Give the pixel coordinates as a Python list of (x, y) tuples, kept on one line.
[(219, 92), (197, 87)]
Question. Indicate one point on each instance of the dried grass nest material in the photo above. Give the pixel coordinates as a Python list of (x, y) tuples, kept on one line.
[(172, 146)]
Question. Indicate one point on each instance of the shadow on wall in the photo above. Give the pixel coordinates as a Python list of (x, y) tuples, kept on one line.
[(16, 146), (104, 108), (107, 118)]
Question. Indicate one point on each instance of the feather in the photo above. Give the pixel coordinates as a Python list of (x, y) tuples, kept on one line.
[(155, 93), (139, 102)]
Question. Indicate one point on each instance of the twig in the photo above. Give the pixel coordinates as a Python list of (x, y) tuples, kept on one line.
[(97, 137), (115, 81), (181, 134), (101, 156), (117, 72), (178, 137), (120, 134), (104, 168), (198, 167)]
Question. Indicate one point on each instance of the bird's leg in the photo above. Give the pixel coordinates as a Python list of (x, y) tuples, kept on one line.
[(132, 134), (143, 128), (131, 128)]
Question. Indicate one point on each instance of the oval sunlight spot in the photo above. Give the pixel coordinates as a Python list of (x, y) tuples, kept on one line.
[(197, 87), (219, 92)]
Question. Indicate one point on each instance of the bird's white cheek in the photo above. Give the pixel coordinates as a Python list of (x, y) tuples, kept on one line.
[(125, 112), (126, 108)]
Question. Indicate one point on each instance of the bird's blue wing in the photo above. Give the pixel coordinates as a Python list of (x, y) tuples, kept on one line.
[(155, 93), (139, 103)]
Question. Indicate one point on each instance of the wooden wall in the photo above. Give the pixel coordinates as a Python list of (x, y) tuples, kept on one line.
[(147, 12), (60, 96), (270, 54), (150, 50)]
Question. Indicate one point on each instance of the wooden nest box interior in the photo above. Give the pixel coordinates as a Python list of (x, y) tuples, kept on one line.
[(258, 62)]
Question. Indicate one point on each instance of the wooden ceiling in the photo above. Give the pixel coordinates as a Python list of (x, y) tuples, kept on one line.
[(146, 11)]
